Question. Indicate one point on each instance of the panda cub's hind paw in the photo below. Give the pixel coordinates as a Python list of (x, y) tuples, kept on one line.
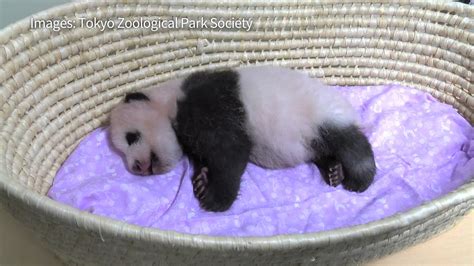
[(335, 174)]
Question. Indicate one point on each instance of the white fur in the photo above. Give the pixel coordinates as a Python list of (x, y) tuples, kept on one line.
[(152, 119), (284, 107), (165, 96)]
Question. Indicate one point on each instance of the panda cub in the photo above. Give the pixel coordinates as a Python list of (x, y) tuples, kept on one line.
[(272, 116), (140, 128)]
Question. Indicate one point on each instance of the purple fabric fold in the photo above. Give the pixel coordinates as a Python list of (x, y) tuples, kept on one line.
[(423, 149)]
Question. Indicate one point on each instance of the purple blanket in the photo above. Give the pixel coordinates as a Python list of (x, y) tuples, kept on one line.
[(423, 150)]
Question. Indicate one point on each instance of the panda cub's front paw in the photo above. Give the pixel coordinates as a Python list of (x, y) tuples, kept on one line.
[(211, 197)]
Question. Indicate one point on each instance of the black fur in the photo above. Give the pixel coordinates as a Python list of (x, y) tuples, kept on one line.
[(136, 96), (132, 137), (347, 146), (209, 126)]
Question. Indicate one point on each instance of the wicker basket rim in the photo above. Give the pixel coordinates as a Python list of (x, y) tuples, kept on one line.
[(105, 225)]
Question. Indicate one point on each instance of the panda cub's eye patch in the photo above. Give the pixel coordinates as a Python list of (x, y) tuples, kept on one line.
[(132, 137), (136, 96)]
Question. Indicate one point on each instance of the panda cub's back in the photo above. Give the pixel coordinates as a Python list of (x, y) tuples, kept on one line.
[(284, 109)]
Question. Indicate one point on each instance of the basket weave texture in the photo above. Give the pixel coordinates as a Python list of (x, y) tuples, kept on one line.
[(57, 86)]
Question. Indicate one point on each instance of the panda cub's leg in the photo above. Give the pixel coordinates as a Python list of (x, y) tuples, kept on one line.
[(344, 155), (209, 126), (219, 158)]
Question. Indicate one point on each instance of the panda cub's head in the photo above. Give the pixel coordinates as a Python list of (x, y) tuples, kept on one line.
[(144, 135)]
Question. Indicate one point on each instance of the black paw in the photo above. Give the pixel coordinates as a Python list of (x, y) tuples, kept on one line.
[(359, 176), (210, 196), (356, 185), (215, 201)]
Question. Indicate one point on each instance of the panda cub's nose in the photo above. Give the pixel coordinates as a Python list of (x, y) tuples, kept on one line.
[(141, 167)]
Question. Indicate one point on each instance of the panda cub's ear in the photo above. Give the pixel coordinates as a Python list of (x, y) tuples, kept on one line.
[(135, 96)]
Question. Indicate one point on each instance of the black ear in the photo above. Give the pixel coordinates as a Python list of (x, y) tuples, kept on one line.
[(136, 96)]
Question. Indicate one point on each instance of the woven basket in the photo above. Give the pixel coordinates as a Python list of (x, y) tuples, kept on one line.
[(57, 86)]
